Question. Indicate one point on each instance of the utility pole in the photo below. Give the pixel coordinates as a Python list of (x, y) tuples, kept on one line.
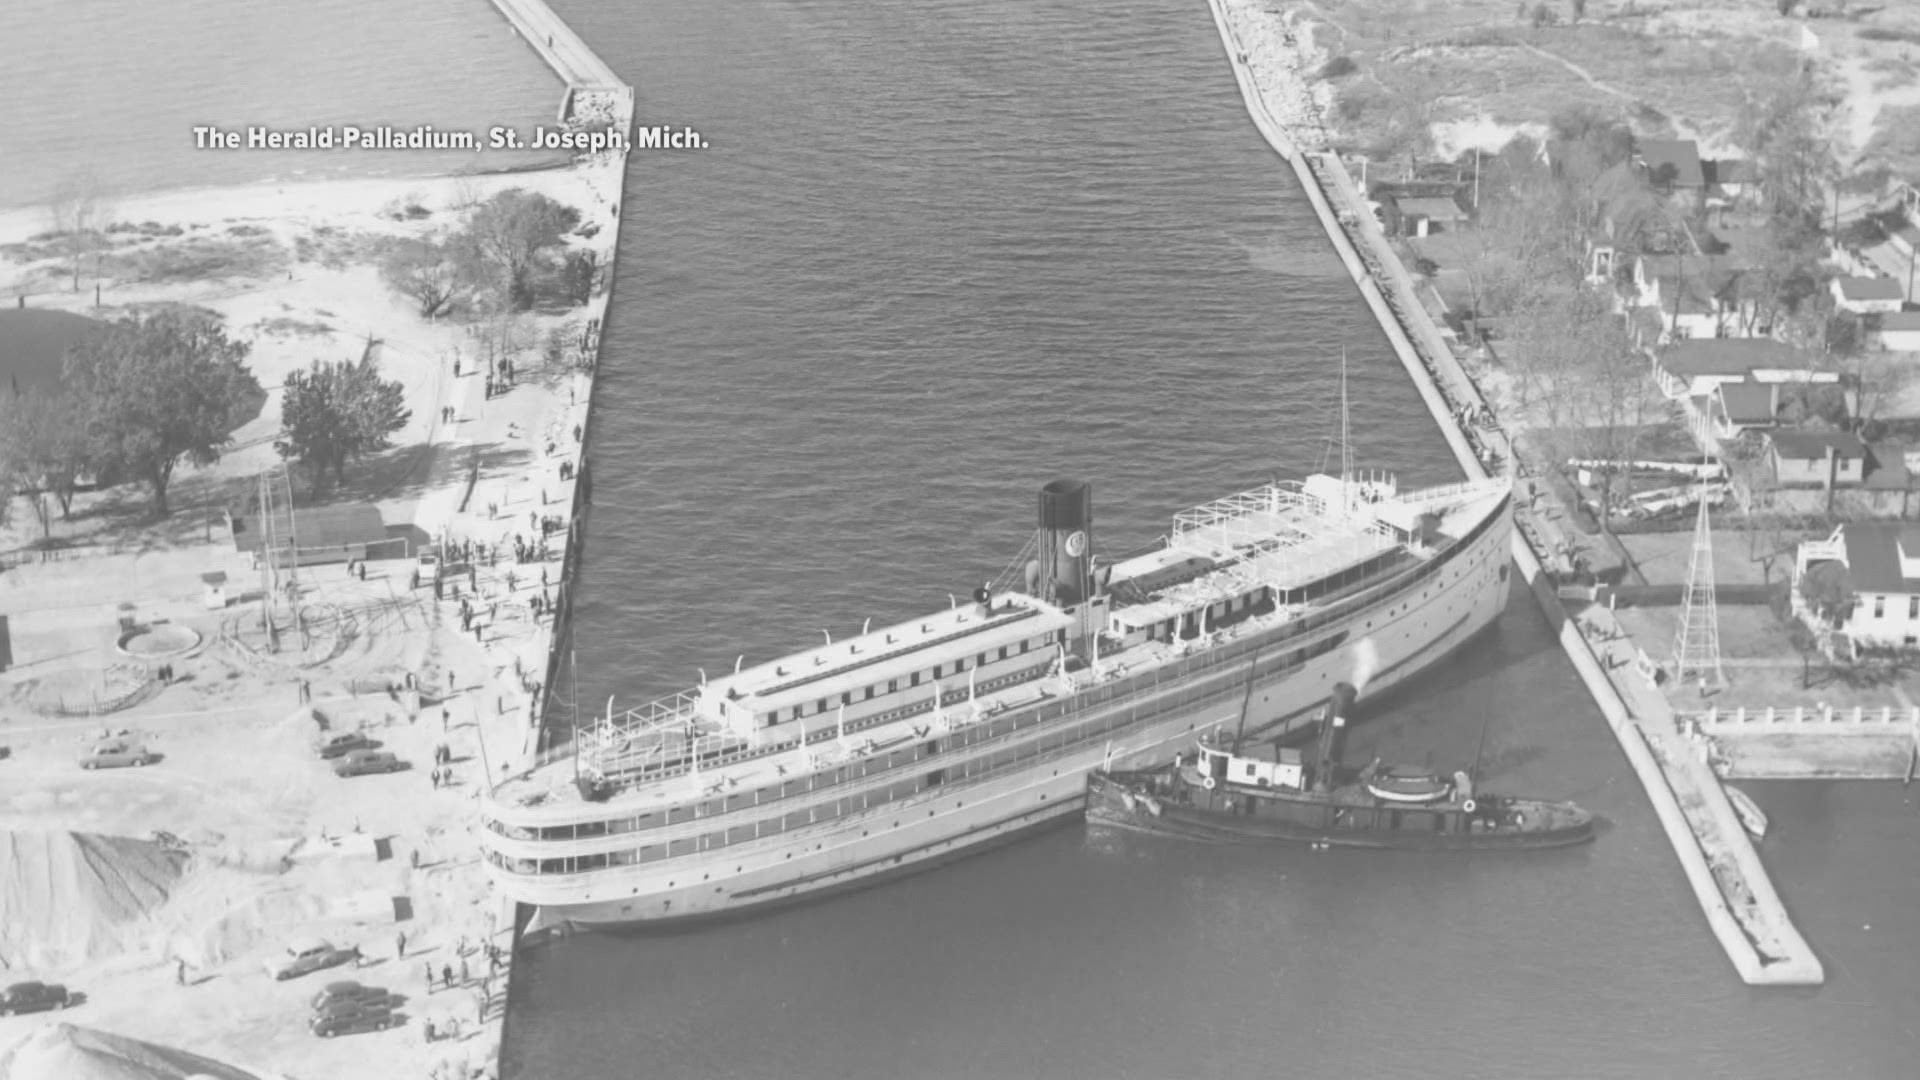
[(1476, 179)]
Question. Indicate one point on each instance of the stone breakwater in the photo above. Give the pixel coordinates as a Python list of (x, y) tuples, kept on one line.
[(1280, 58), (1271, 56)]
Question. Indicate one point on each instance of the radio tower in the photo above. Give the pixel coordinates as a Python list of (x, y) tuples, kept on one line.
[(1696, 648)]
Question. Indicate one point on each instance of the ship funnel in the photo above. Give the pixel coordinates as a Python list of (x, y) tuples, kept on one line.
[(1332, 734), (1066, 542)]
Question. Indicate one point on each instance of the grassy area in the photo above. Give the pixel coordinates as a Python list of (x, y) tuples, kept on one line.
[(1684, 67), (1665, 557)]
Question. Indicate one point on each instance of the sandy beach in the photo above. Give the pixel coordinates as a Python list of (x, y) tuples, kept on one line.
[(157, 894)]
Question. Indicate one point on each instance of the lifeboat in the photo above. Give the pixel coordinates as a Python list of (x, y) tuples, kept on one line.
[(1407, 785)]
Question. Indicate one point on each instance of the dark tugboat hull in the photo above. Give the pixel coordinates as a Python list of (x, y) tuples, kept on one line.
[(1161, 803)]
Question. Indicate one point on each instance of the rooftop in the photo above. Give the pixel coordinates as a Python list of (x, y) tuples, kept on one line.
[(319, 527), (1728, 356), (1671, 161), (1436, 209), (1750, 402), (1873, 555), (1730, 171), (1813, 445), (1897, 320), (1870, 288)]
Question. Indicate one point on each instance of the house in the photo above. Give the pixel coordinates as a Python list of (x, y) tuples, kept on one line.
[(1423, 216), (1748, 405), (1817, 458), (321, 534), (1865, 295), (1695, 367), (1880, 563), (1696, 296), (1897, 331), (1670, 164), (1731, 179)]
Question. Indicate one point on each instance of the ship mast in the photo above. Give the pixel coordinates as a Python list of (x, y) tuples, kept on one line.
[(1346, 434)]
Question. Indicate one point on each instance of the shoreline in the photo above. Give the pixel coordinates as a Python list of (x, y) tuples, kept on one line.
[(1726, 875), (400, 658)]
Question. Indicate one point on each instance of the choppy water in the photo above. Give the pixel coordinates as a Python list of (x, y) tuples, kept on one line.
[(939, 254)]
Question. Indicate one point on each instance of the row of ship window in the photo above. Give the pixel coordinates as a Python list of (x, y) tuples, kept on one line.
[(793, 819), (939, 671)]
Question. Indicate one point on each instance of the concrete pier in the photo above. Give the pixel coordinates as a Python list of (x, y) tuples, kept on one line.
[(594, 94), (1738, 900)]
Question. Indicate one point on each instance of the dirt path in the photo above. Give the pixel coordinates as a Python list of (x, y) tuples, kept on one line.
[(1680, 127)]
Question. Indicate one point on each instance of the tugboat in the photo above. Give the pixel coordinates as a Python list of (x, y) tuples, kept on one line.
[(1216, 794)]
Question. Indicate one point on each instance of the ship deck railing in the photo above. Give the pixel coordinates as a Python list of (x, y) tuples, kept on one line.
[(712, 751), (1463, 491), (1275, 515), (1152, 701)]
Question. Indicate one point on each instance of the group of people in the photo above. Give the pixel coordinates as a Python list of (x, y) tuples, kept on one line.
[(501, 380)]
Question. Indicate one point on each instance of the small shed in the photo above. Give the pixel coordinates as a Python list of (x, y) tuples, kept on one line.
[(1898, 331), (1422, 215), (1817, 459), (321, 534), (1868, 295), (214, 594)]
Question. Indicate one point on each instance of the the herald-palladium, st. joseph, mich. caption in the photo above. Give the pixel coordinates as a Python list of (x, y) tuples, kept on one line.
[(427, 137)]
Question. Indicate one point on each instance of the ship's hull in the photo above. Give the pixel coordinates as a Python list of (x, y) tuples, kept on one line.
[(1305, 821), (947, 822)]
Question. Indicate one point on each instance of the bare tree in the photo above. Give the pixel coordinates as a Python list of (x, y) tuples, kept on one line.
[(43, 450), (81, 211), (511, 233), (425, 269)]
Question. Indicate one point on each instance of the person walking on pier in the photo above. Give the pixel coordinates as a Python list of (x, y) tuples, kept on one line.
[(446, 974), (400, 939), (429, 977)]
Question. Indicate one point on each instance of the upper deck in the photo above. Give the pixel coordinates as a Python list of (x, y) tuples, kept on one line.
[(1298, 548)]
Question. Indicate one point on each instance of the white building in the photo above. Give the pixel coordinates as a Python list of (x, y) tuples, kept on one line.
[(1881, 564), (1865, 295)]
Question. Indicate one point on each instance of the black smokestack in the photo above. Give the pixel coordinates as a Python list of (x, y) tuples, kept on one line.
[(1333, 729), (1066, 542)]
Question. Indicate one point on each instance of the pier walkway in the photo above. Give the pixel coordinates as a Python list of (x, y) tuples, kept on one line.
[(1734, 892)]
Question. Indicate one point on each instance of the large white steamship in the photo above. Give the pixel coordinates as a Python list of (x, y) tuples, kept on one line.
[(915, 743)]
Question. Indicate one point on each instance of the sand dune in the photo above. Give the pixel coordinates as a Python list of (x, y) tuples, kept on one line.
[(67, 897), (65, 1052)]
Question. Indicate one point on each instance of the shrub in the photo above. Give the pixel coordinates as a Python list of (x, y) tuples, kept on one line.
[(1543, 15), (1338, 66), (1878, 33)]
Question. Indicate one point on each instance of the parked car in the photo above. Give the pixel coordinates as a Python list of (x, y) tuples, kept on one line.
[(117, 754), (340, 745), (335, 993), (307, 955), (344, 1011), (30, 997), (361, 762), (348, 1021)]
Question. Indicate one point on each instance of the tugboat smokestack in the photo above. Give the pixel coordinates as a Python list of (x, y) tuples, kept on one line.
[(1341, 703), (1333, 728)]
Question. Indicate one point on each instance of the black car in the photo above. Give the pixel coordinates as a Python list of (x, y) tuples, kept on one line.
[(339, 745), (347, 1018), (337, 993), (30, 997)]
